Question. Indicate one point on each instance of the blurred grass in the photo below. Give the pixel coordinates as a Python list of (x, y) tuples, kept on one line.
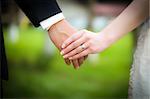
[(104, 77)]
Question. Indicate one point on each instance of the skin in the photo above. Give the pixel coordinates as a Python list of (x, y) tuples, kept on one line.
[(58, 33), (128, 20)]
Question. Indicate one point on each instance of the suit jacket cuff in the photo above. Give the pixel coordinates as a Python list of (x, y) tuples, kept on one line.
[(46, 24)]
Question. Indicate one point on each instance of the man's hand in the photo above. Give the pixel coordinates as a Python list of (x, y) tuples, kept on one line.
[(58, 33)]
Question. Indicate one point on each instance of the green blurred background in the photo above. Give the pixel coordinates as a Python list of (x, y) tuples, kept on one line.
[(37, 70)]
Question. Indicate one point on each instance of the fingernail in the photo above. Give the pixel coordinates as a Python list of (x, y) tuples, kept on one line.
[(62, 52), (68, 62), (77, 67), (63, 45), (65, 56)]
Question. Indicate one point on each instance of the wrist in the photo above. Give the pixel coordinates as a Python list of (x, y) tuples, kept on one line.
[(55, 26), (108, 37), (61, 26), (60, 31)]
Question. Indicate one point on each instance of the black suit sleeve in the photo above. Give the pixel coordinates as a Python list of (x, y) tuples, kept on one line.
[(38, 10)]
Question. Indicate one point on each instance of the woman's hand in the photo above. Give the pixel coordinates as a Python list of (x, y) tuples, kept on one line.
[(83, 43)]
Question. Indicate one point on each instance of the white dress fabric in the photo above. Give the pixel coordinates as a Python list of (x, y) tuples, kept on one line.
[(139, 85)]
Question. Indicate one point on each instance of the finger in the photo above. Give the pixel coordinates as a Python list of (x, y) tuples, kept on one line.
[(85, 57), (81, 60), (84, 53), (73, 45), (75, 63), (72, 38), (77, 50), (67, 61), (74, 52)]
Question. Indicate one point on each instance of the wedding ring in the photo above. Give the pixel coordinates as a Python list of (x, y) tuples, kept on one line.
[(82, 47)]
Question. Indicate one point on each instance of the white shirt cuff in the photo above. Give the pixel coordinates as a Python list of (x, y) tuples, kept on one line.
[(46, 24)]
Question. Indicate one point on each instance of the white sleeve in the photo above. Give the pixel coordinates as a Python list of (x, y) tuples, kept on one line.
[(46, 24)]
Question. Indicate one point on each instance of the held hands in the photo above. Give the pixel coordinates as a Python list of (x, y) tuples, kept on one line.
[(58, 33), (83, 43), (75, 46)]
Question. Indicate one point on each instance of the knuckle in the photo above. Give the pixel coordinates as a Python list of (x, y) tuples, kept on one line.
[(73, 52), (76, 52), (76, 43), (86, 36), (81, 54), (74, 57), (66, 50), (77, 56), (74, 37), (83, 39), (68, 54), (91, 49), (73, 45), (79, 49), (89, 43)]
